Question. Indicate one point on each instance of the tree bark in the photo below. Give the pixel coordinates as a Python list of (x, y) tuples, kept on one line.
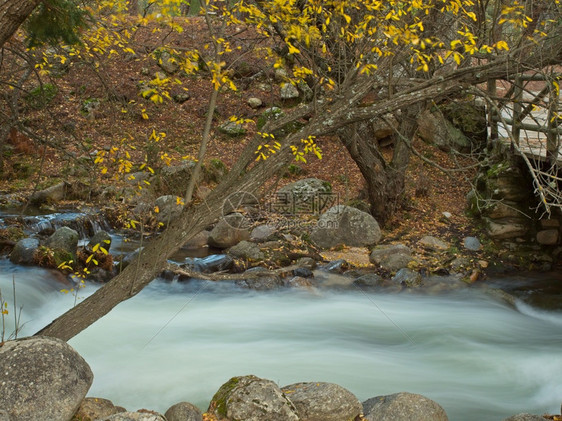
[(12, 15), (385, 180)]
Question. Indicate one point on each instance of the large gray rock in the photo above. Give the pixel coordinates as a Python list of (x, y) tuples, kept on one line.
[(434, 128), (524, 417), (289, 91), (50, 195), (391, 257), (168, 208), (262, 233), (24, 251), (42, 379), (309, 195), (246, 250), (316, 401), (140, 415), (183, 411), (65, 239), (93, 408), (403, 407), (229, 231), (250, 398), (346, 225)]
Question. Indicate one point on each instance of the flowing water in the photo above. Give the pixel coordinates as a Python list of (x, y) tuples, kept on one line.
[(478, 357)]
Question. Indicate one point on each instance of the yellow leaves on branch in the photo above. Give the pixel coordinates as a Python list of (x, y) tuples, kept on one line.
[(308, 146), (265, 150)]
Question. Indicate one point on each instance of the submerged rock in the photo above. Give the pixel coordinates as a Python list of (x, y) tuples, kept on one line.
[(407, 277), (24, 251)]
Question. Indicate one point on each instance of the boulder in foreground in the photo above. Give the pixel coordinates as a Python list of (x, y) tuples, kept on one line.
[(43, 379)]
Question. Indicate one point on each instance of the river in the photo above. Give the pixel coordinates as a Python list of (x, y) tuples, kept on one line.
[(478, 357)]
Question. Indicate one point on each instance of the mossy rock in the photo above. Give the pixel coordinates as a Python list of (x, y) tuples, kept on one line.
[(214, 171), (220, 398)]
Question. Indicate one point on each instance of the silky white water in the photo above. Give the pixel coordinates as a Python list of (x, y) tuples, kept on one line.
[(479, 358)]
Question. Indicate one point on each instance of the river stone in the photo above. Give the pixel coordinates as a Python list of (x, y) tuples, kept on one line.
[(229, 231), (102, 238), (50, 195), (403, 407), (524, 417), (547, 237), (431, 243), (141, 415), (472, 243), (183, 411), (262, 233), (246, 250), (317, 401), (407, 277), (249, 398), (263, 282), (344, 225), (65, 239), (93, 408), (42, 379), (212, 263), (168, 208), (24, 250), (301, 282), (379, 253), (369, 280), (396, 262)]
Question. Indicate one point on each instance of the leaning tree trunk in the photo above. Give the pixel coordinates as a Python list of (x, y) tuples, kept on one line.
[(154, 256), (12, 15)]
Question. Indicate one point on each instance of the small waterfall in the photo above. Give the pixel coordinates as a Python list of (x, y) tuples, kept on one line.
[(85, 223)]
